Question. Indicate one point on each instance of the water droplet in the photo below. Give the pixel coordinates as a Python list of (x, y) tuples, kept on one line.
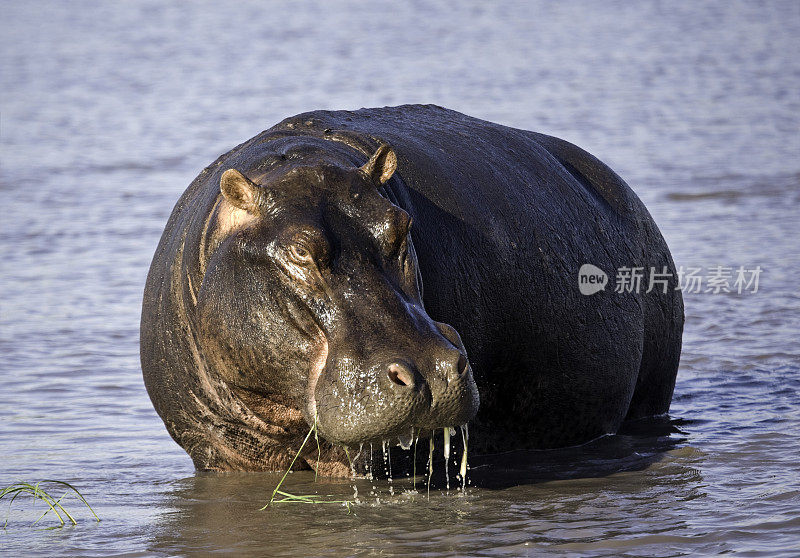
[(430, 463), (405, 441), (463, 470), (447, 457)]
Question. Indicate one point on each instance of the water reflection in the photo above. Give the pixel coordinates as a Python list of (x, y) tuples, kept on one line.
[(573, 499), (638, 445)]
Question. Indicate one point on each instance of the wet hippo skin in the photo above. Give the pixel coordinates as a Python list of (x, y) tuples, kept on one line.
[(383, 270)]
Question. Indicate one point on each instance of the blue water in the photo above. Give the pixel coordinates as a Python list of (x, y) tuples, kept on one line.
[(107, 112)]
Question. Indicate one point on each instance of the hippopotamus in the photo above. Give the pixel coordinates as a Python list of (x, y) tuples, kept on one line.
[(379, 274)]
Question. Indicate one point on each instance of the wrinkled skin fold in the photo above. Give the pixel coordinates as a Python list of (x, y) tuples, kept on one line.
[(383, 270)]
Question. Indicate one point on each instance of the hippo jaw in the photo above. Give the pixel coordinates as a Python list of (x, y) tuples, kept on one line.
[(389, 401), (395, 421)]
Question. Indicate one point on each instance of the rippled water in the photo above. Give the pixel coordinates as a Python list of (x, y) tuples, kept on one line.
[(110, 109)]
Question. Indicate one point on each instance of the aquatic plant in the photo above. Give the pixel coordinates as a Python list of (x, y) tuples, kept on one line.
[(39, 493), (301, 499)]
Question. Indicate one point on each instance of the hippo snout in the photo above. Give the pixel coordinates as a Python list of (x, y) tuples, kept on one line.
[(388, 399), (402, 375), (453, 366)]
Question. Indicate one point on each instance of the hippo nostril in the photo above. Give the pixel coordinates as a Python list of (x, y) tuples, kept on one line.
[(400, 375), (461, 366)]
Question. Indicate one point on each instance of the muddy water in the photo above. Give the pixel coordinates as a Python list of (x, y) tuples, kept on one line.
[(109, 110)]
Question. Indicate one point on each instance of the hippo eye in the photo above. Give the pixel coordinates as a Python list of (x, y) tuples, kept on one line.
[(300, 253), (307, 247)]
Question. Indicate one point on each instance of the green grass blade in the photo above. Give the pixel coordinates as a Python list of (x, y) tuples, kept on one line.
[(303, 499), (77, 492), (38, 493), (17, 492), (51, 508), (290, 468), (43, 495)]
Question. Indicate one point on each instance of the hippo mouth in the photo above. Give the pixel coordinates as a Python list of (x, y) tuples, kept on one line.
[(400, 406)]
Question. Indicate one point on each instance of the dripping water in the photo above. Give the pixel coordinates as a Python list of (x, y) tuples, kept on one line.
[(414, 462), (353, 472), (447, 456), (371, 475), (430, 463), (387, 464), (463, 470)]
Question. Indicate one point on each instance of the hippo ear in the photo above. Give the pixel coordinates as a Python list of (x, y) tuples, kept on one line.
[(381, 165), (240, 191)]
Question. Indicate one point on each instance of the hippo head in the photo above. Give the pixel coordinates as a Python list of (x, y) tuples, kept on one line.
[(311, 297)]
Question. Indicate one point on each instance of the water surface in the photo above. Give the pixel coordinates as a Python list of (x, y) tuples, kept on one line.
[(108, 110)]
